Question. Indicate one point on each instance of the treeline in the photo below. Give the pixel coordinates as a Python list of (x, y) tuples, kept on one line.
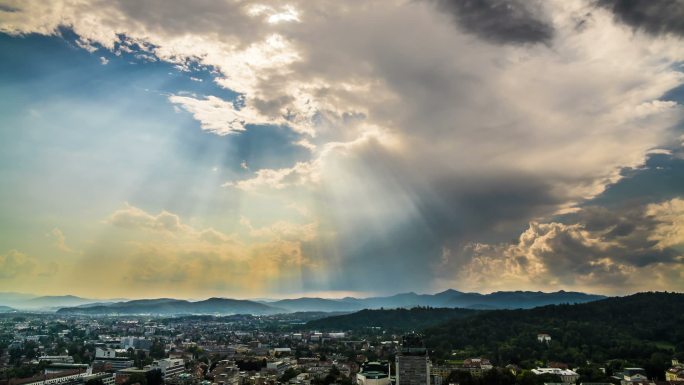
[(417, 318), (644, 329)]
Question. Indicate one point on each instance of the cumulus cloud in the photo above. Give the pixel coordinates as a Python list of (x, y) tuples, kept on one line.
[(635, 248), (302, 173), (16, 265), (60, 240), (669, 231), (135, 218), (501, 21), (161, 252)]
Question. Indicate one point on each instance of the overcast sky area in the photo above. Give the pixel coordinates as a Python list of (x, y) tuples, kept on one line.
[(241, 149)]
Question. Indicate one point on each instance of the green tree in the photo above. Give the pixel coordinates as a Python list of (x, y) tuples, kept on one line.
[(154, 377), (289, 374)]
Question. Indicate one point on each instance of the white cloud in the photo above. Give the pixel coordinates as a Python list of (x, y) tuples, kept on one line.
[(215, 115), (135, 218), (301, 174), (60, 241), (670, 215), (15, 265)]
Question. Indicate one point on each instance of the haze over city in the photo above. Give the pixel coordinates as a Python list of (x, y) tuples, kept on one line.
[(277, 149)]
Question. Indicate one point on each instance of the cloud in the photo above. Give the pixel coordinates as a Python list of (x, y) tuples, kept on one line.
[(16, 265), (501, 21), (633, 248), (161, 254), (60, 240), (134, 218), (419, 138), (215, 115), (283, 230), (669, 215), (654, 17), (301, 174)]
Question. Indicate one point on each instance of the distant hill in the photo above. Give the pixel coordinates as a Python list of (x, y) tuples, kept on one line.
[(6, 309), (54, 301), (30, 302), (8, 297), (307, 304), (449, 298), (390, 319), (644, 329), (168, 306)]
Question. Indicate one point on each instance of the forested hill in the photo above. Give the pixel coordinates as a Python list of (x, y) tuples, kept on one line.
[(417, 318), (634, 328)]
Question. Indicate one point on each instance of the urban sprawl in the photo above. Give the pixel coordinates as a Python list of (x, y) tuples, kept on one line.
[(252, 350)]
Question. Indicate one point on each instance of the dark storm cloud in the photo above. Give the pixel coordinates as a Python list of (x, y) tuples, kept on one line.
[(626, 235), (449, 210), (653, 16), (661, 178), (595, 247), (499, 21), (7, 8)]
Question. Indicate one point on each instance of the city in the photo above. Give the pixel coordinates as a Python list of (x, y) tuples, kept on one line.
[(317, 348)]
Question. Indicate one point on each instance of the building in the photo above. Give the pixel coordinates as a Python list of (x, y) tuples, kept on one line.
[(566, 375), (169, 367), (105, 352), (543, 337), (374, 373), (57, 359), (301, 379), (136, 343), (106, 378), (281, 351), (278, 367), (442, 371), (676, 372), (59, 368), (124, 374), (413, 364), (72, 377), (112, 364), (226, 373), (477, 366), (631, 375)]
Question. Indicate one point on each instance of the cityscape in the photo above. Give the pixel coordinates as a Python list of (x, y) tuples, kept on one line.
[(341, 192), (626, 340)]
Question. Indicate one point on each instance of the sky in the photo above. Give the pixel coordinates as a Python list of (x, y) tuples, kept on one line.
[(274, 149)]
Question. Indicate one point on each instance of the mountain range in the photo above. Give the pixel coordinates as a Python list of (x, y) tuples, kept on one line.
[(446, 299), (170, 306), (31, 302)]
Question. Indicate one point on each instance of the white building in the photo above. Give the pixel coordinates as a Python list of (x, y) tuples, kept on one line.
[(169, 367), (543, 337), (58, 378), (57, 359), (105, 352), (278, 366), (566, 375), (109, 356)]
